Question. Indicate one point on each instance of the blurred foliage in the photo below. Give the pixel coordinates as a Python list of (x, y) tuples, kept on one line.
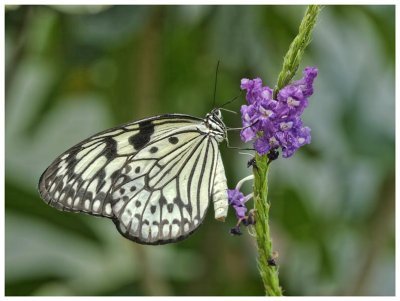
[(72, 71)]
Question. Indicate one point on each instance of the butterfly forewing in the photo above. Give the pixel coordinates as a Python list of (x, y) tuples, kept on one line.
[(154, 177)]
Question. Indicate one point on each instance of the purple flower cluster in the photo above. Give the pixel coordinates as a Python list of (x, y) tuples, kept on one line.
[(275, 123)]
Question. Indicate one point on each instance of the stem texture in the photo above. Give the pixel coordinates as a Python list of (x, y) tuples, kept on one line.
[(266, 264)]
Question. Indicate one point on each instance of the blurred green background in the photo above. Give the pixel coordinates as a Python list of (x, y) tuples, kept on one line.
[(72, 71)]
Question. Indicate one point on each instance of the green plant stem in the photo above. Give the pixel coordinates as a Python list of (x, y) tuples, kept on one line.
[(292, 59), (268, 270), (269, 273)]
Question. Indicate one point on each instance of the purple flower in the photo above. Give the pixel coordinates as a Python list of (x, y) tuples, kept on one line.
[(248, 133), (291, 140), (262, 145), (254, 88), (310, 73), (237, 200), (273, 123), (292, 100)]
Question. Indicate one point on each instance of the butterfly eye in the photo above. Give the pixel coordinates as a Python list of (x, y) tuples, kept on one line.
[(218, 114)]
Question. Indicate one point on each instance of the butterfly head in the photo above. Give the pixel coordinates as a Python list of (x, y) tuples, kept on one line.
[(215, 124)]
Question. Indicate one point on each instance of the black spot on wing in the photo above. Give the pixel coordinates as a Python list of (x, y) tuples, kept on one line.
[(128, 169), (178, 201), (111, 148), (101, 175), (162, 201), (71, 162), (154, 149), (164, 222), (173, 140), (146, 129), (114, 176)]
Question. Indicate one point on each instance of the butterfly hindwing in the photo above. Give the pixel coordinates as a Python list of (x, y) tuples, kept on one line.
[(167, 201), (152, 177)]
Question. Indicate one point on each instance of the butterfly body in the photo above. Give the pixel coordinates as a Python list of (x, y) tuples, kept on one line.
[(154, 178)]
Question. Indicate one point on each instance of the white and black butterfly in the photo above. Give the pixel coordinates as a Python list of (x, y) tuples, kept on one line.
[(154, 177)]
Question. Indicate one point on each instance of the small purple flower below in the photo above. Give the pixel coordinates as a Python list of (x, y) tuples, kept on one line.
[(273, 123), (237, 200)]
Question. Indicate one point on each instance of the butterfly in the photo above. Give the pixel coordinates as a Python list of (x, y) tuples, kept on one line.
[(154, 178)]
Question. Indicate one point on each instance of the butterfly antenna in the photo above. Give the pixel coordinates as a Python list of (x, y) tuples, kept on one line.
[(242, 128), (215, 84), (230, 101), (230, 111)]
